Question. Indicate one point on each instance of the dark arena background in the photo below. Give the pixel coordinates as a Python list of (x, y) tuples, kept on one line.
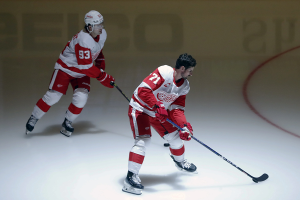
[(244, 100)]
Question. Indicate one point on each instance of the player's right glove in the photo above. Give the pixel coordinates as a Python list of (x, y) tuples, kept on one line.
[(160, 112), (105, 79), (184, 135)]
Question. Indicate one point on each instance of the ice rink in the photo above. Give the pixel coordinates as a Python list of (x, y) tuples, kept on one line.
[(244, 103)]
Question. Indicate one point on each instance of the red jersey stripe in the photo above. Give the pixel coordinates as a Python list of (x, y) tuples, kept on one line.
[(74, 69)]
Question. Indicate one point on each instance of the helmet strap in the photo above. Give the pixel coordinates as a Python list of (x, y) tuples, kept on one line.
[(88, 28)]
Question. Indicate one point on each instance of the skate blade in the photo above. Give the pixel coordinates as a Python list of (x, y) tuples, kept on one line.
[(182, 170), (27, 132), (65, 132), (132, 190), (128, 188)]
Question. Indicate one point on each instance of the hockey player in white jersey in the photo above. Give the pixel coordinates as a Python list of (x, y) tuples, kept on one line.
[(161, 95), (81, 59)]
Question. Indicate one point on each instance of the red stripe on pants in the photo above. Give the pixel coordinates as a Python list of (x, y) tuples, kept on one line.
[(177, 152), (43, 105), (75, 110), (137, 158)]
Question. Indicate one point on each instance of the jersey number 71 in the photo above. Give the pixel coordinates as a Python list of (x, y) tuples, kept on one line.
[(155, 78)]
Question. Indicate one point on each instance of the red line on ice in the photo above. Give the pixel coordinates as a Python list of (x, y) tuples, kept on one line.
[(245, 88)]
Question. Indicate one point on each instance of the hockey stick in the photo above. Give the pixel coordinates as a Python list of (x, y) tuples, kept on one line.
[(113, 84), (255, 179)]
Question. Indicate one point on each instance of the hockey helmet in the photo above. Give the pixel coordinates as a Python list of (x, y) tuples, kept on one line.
[(93, 17)]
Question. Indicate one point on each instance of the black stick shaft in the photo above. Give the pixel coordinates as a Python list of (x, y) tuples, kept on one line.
[(112, 83), (221, 156), (211, 149)]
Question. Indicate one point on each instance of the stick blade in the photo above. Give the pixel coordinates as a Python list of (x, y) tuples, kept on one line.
[(261, 178)]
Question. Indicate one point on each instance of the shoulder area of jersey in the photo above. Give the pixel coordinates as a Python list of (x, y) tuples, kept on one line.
[(166, 70), (82, 35), (87, 39)]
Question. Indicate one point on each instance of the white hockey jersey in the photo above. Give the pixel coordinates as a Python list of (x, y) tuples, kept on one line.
[(79, 54), (164, 88)]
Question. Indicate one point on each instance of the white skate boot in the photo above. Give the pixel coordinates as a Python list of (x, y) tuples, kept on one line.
[(67, 128), (132, 184), (185, 166), (30, 124)]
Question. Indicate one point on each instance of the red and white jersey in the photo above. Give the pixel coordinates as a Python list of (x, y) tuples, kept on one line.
[(160, 85), (79, 54)]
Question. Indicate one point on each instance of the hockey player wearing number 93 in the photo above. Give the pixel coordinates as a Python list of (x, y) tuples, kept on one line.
[(161, 95), (81, 59)]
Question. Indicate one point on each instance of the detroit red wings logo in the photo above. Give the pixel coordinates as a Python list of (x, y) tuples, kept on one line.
[(165, 97)]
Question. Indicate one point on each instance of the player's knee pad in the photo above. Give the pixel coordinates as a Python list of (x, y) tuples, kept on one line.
[(80, 97), (141, 143), (174, 140), (52, 97)]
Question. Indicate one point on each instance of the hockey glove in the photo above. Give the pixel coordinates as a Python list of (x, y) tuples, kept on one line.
[(184, 135), (105, 79), (160, 112)]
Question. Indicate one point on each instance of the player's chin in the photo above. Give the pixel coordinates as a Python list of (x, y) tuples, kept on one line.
[(186, 77)]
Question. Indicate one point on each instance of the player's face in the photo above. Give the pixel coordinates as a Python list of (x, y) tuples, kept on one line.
[(188, 72), (98, 28)]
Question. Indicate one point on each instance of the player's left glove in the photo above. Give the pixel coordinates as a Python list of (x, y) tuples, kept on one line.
[(184, 135), (105, 79)]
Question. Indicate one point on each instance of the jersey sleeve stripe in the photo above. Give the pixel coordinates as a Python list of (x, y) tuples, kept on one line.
[(103, 78)]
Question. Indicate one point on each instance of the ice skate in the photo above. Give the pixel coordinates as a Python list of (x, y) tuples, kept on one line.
[(185, 166), (132, 184), (30, 124), (67, 128)]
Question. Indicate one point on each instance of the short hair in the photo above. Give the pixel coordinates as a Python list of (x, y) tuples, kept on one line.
[(185, 60)]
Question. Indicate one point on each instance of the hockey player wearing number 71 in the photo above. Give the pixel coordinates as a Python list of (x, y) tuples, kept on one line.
[(161, 95), (81, 59)]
